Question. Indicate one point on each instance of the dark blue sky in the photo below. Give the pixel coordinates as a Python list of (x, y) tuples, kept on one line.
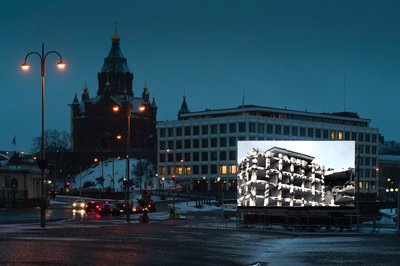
[(292, 54)]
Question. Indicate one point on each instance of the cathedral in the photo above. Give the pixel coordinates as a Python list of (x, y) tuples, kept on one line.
[(116, 117)]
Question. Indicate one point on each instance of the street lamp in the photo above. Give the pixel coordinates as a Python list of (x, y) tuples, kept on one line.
[(128, 146), (42, 162)]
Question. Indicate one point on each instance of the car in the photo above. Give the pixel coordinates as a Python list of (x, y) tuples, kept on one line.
[(79, 204), (145, 205), (122, 206), (108, 208), (92, 206)]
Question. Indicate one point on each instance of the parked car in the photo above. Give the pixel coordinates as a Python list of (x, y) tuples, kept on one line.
[(92, 206), (79, 204), (108, 208)]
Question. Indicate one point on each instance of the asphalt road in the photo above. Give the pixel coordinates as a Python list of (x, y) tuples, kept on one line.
[(172, 242)]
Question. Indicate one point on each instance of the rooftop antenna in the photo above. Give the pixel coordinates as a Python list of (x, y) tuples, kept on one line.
[(115, 28), (243, 98), (344, 93)]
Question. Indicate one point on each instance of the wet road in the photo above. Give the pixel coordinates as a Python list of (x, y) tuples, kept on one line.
[(171, 242)]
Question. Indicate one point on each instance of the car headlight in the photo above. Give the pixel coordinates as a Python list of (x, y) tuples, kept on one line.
[(74, 204)]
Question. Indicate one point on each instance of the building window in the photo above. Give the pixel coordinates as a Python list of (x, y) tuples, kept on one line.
[(310, 132), (347, 135), (188, 132), (204, 129), (214, 129), (367, 137), (196, 130), (340, 135), (302, 132), (214, 156), (242, 138), (373, 161), (213, 169), (269, 129), (195, 169), (360, 184), (278, 130), (373, 149), (232, 155), (295, 131), (170, 157), (196, 143), (196, 156), (204, 169), (286, 130), (204, 143), (222, 128), (214, 142), (179, 131), (318, 133), (204, 156), (178, 144), (261, 128), (353, 136), (223, 170), (162, 145), (187, 157), (373, 185), (367, 149), (232, 169), (222, 142), (367, 161), (374, 138), (171, 132), (361, 136), (242, 127), (232, 141), (222, 155), (162, 132), (232, 128), (325, 134), (333, 134), (187, 143), (252, 127), (162, 158), (170, 144)]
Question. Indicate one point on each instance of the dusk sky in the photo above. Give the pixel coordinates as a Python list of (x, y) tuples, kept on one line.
[(281, 54)]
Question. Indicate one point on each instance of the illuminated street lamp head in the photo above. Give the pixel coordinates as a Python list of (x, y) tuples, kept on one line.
[(25, 66), (118, 137), (142, 108), (95, 160), (115, 108), (61, 65)]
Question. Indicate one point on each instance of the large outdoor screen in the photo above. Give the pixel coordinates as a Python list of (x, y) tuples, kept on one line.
[(296, 173)]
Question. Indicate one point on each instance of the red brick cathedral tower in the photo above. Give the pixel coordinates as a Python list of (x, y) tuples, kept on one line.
[(99, 125)]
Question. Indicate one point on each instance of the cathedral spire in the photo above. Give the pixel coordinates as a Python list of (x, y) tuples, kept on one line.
[(184, 107)]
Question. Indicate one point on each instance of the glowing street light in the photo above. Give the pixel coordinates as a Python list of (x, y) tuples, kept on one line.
[(128, 145), (42, 162)]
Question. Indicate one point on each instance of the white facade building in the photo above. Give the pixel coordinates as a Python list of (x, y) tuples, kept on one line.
[(200, 148)]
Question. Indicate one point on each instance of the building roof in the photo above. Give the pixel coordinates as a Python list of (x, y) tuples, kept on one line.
[(338, 118), (115, 61)]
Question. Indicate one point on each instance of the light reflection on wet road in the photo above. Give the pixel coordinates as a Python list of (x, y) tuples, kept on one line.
[(172, 243)]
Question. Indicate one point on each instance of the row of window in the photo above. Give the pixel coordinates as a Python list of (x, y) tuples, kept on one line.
[(203, 156), (182, 170), (198, 169), (252, 127), (223, 142)]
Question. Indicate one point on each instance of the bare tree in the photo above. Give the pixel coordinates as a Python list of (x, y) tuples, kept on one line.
[(54, 140)]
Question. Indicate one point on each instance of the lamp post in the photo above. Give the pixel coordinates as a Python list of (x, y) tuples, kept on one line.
[(128, 145), (42, 162)]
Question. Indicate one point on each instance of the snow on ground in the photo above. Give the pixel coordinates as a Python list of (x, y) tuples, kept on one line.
[(114, 171)]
